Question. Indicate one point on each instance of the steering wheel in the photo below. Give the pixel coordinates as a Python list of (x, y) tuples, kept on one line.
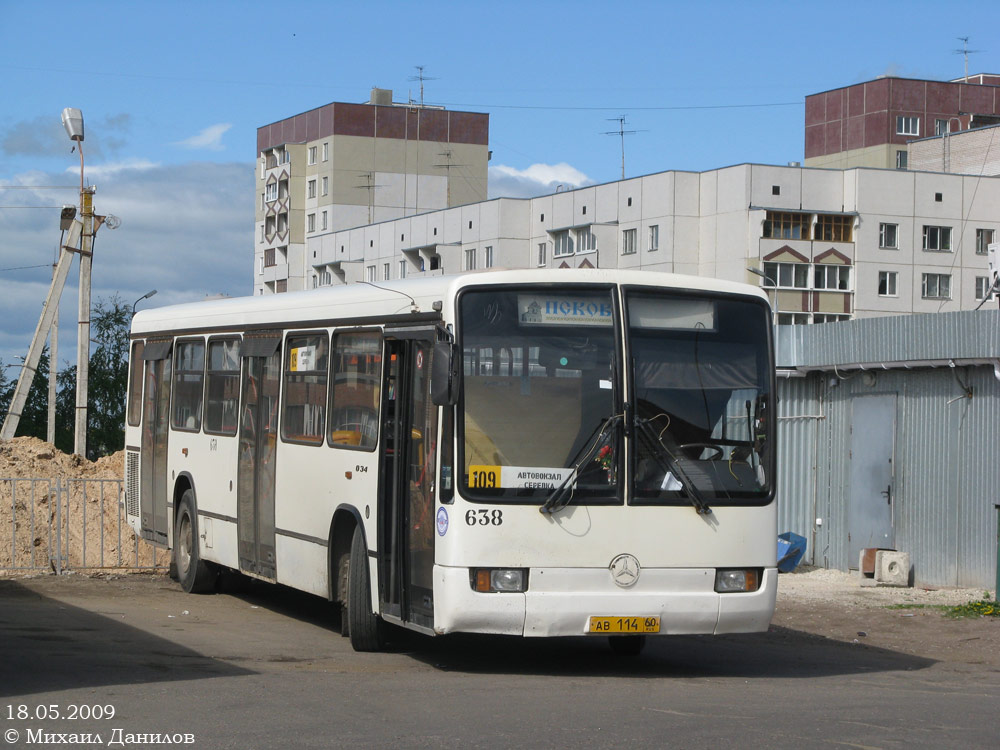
[(716, 450)]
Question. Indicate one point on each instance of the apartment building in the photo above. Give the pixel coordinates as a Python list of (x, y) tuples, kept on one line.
[(346, 164), (975, 151), (869, 124), (828, 244)]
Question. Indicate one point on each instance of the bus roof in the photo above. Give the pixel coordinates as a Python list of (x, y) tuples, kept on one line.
[(397, 299)]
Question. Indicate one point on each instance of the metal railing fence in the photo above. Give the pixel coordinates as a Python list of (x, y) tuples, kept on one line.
[(65, 524)]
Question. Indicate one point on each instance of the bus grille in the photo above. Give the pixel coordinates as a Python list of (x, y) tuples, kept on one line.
[(132, 484)]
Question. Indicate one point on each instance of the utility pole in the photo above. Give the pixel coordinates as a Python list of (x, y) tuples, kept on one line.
[(83, 326)]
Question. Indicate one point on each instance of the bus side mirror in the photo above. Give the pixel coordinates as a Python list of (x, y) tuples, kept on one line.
[(445, 374)]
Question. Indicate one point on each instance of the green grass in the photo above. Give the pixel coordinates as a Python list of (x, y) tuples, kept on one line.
[(985, 607)]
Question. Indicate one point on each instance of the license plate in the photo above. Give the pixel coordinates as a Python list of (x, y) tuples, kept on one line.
[(605, 625)]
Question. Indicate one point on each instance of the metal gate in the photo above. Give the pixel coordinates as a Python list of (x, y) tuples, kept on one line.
[(70, 524)]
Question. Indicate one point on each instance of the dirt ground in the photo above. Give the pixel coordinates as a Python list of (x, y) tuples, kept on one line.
[(92, 527), (833, 604)]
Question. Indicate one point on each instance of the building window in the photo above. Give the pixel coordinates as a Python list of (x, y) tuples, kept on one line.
[(984, 238), (887, 284), (311, 189), (271, 192), (541, 253), (787, 275), (261, 233), (833, 228), (402, 269), (369, 273), (286, 157), (586, 241), (937, 239), (323, 221), (563, 244), (837, 278), (312, 154), (887, 236), (786, 226), (654, 237), (942, 126), (830, 317), (792, 319), (281, 286), (311, 223), (628, 241), (326, 152), (470, 259), (936, 286), (907, 125), (775, 189), (269, 258), (385, 272), (901, 159), (488, 260), (326, 185), (326, 278), (938, 197), (982, 287), (282, 223)]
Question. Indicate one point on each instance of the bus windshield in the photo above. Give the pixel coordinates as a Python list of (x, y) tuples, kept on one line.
[(700, 387), (538, 394)]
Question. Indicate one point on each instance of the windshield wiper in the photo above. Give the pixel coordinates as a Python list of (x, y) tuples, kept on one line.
[(561, 496), (670, 463)]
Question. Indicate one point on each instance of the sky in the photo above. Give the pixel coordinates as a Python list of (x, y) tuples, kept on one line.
[(172, 94)]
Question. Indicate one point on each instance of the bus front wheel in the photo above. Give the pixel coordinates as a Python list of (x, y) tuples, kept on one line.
[(195, 575), (364, 626)]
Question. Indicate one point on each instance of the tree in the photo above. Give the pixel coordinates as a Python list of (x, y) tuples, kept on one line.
[(35, 414), (107, 381)]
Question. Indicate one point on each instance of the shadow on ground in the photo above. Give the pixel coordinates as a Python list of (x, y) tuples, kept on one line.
[(48, 645), (781, 652)]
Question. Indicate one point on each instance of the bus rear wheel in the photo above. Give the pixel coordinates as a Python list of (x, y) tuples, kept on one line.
[(627, 645), (366, 629), (195, 575)]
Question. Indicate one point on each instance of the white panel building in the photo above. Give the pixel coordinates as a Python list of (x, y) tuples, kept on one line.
[(832, 244)]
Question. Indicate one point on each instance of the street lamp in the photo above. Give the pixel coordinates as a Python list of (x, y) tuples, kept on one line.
[(147, 295), (767, 280), (72, 120)]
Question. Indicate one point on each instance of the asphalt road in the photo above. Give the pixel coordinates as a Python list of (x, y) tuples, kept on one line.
[(262, 667)]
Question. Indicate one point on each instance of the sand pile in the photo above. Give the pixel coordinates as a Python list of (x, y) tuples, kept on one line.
[(86, 528)]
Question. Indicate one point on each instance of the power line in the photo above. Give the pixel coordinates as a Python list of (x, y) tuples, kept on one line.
[(23, 268), (620, 108), (39, 187)]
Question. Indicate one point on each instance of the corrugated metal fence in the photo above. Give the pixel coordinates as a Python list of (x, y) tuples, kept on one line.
[(69, 524)]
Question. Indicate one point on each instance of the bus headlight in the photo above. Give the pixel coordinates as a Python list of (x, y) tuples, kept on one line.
[(742, 580), (490, 580)]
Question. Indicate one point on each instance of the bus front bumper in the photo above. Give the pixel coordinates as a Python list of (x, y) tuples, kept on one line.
[(561, 602)]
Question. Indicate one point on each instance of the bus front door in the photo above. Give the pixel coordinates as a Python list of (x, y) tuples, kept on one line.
[(255, 470), (406, 496)]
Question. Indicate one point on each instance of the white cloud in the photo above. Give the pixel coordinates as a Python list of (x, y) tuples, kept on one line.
[(106, 170), (209, 139), (538, 179), (187, 230)]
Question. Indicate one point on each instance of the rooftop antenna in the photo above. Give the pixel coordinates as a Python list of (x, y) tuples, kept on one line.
[(421, 77), (965, 52), (621, 133)]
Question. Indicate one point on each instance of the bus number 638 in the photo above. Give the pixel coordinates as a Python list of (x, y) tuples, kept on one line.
[(484, 517)]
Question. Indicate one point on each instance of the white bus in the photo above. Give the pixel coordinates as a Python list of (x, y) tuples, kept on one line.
[(525, 452)]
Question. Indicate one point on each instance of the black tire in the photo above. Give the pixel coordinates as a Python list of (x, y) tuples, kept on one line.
[(195, 575), (627, 645), (343, 592), (366, 629)]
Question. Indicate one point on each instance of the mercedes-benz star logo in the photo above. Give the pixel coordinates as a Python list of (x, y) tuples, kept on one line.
[(624, 570)]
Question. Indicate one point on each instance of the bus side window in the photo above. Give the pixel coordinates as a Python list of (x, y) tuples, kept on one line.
[(222, 386), (303, 413), (189, 376), (354, 396), (135, 363)]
